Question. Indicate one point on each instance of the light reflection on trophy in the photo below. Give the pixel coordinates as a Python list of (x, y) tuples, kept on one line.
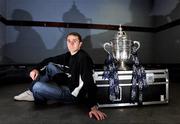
[(120, 48)]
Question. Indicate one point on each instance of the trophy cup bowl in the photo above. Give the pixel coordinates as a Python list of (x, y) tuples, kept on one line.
[(125, 52), (121, 50)]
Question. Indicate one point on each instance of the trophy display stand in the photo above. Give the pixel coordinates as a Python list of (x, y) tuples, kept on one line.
[(157, 91)]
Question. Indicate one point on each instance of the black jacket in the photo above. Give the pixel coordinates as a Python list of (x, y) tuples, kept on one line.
[(79, 68)]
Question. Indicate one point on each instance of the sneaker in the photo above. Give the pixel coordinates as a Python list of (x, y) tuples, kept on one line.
[(25, 96)]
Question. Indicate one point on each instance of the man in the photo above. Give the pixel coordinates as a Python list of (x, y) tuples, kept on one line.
[(73, 74)]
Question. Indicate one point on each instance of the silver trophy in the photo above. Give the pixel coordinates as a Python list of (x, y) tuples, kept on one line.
[(120, 48)]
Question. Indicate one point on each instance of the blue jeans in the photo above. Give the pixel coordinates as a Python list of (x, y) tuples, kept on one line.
[(43, 90)]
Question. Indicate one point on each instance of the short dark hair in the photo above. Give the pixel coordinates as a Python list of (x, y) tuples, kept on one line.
[(75, 34)]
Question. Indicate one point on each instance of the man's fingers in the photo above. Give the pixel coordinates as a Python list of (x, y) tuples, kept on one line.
[(34, 74), (94, 114), (90, 114), (97, 116), (101, 115), (104, 115)]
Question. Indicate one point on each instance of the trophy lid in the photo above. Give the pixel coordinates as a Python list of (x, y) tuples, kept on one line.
[(121, 34)]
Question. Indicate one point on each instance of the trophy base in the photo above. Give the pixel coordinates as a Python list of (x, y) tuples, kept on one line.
[(122, 66)]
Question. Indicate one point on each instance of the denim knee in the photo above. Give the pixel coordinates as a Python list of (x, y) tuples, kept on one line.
[(52, 69), (38, 93), (50, 65), (37, 87)]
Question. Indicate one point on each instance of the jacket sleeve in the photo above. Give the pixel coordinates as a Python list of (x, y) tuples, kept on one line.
[(60, 59), (86, 70)]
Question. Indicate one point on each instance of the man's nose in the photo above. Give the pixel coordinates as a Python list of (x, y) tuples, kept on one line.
[(72, 42)]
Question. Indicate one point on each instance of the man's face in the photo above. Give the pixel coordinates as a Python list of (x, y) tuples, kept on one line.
[(73, 44)]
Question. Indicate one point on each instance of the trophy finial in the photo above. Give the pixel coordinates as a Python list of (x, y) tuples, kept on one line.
[(120, 31)]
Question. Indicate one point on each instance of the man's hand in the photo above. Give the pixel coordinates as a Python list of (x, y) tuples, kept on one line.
[(34, 73), (97, 113)]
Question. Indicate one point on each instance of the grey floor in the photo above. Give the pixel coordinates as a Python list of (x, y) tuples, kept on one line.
[(13, 112)]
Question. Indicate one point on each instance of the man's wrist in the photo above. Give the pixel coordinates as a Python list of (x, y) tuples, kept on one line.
[(95, 107)]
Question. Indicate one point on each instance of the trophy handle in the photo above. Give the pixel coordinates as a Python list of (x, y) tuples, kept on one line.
[(138, 44), (107, 44)]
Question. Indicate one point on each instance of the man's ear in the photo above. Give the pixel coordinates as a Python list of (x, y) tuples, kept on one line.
[(80, 44)]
